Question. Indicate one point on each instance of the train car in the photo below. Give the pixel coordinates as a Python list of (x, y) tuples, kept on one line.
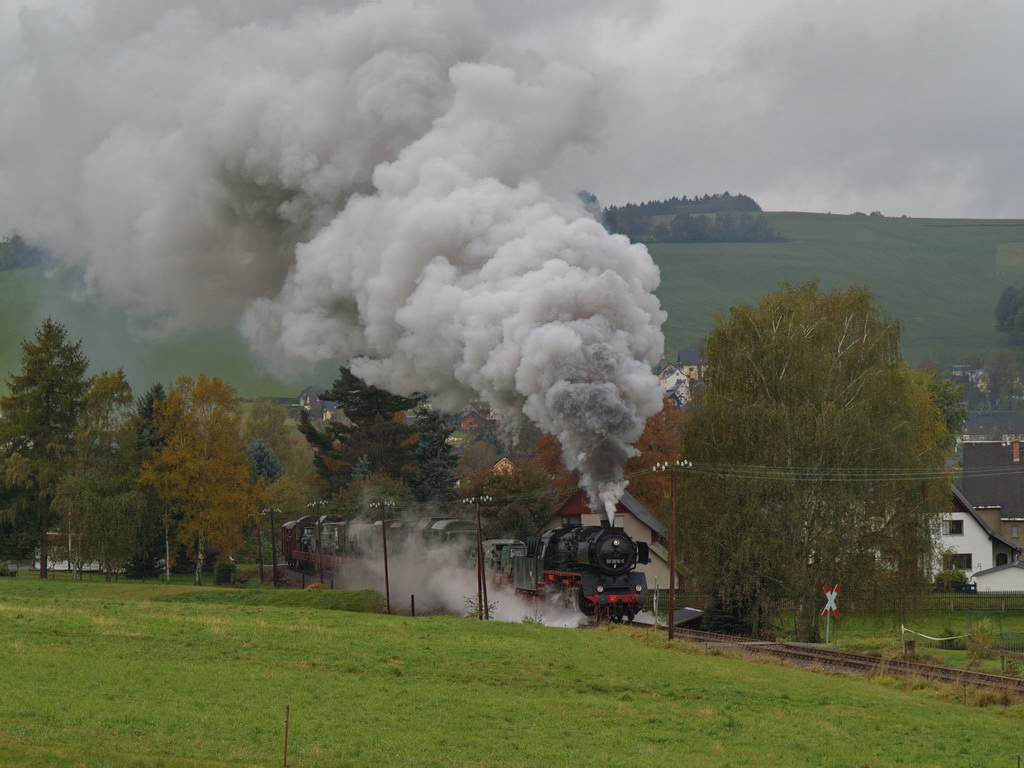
[(295, 540), (498, 555), (592, 566)]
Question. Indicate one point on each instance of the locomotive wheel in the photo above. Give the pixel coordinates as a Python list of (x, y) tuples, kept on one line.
[(585, 606)]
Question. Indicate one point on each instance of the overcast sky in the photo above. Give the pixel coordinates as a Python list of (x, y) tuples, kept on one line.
[(911, 107)]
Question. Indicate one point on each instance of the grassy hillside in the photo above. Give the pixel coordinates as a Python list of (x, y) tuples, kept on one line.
[(941, 278), (114, 675), (28, 295)]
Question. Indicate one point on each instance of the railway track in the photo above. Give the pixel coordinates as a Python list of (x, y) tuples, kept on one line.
[(831, 659)]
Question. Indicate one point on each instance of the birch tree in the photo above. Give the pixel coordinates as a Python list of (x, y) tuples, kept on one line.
[(99, 498), (817, 458)]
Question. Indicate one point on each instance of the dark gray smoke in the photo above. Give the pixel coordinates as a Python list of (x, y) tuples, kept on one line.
[(357, 184)]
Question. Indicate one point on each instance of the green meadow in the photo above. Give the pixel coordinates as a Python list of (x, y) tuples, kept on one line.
[(97, 674)]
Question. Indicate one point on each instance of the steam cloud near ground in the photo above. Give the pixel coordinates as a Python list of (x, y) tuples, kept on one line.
[(359, 184), (438, 583)]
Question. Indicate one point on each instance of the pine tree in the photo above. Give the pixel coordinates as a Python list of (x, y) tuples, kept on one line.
[(373, 426), (40, 415), (434, 480)]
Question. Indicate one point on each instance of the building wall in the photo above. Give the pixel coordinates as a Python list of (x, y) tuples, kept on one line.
[(973, 541), (1003, 580)]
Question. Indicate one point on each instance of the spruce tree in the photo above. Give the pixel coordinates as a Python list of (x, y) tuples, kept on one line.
[(37, 432), (434, 480)]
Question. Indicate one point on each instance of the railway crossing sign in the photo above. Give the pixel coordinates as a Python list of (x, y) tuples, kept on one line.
[(830, 596), (830, 610)]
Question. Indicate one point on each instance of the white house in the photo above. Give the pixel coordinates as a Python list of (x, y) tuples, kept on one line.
[(969, 544)]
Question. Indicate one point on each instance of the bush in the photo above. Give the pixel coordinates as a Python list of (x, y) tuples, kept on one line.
[(953, 580), (224, 573)]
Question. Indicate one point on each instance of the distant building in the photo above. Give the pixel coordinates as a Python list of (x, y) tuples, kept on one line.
[(503, 466), (680, 379), (993, 426), (691, 363), (318, 409)]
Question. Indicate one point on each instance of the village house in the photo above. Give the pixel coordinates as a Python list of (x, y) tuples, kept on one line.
[(680, 379), (969, 543), (318, 409)]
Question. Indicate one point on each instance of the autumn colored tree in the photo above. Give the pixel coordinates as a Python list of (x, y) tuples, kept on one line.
[(37, 432), (521, 497), (661, 442), (201, 471), (818, 458), (549, 456), (268, 421)]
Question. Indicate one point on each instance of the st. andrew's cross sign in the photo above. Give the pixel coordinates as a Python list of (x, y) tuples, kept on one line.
[(830, 610), (830, 596)]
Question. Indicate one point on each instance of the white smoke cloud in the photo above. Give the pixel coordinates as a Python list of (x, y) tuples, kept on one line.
[(437, 580), (357, 184)]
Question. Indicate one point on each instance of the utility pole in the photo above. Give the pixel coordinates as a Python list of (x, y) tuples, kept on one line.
[(482, 610), (384, 543), (273, 545), (672, 469), (672, 563)]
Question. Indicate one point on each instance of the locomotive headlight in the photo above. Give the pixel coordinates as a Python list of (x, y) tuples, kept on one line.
[(600, 588), (615, 542), (639, 588)]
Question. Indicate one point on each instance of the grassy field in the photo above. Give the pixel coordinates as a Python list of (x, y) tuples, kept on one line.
[(940, 278), (98, 674)]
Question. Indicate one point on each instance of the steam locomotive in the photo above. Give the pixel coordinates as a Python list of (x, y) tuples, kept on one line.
[(592, 566)]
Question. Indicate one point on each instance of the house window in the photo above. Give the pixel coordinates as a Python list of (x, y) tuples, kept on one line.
[(954, 527), (1013, 531), (953, 560), (571, 520), (1001, 558)]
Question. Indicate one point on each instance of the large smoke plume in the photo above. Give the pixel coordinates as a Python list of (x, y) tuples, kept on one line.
[(361, 184)]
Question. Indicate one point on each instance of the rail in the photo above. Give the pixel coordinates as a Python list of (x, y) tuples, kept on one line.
[(830, 658)]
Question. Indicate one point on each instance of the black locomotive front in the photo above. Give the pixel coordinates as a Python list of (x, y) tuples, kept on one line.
[(596, 565)]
